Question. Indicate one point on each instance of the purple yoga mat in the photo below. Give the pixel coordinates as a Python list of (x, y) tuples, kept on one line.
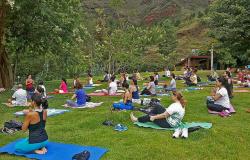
[(231, 110)]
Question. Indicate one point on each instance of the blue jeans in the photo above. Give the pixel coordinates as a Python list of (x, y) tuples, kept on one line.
[(215, 107), (24, 146)]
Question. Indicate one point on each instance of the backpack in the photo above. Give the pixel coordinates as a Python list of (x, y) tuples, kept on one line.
[(12, 124), (88, 98)]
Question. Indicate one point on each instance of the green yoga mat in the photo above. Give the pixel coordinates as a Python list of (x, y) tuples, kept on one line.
[(185, 125)]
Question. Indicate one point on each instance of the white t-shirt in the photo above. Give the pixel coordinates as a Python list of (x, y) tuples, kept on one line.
[(44, 89), (21, 97), (91, 81), (167, 73), (112, 87), (157, 77), (172, 83), (151, 87), (194, 79), (224, 100), (176, 112)]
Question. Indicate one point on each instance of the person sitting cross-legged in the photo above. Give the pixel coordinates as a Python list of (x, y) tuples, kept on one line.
[(79, 95), (127, 100), (219, 101), (19, 98)]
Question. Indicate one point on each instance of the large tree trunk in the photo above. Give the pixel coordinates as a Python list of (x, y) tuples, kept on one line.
[(6, 78)]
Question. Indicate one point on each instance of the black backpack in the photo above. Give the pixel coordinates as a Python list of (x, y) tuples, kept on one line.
[(88, 98), (12, 124)]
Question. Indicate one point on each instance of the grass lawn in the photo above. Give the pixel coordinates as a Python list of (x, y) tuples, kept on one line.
[(228, 138)]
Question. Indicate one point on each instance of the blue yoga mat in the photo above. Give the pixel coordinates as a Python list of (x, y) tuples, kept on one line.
[(58, 151)]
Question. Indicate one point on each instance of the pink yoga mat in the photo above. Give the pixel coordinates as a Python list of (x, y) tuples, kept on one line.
[(231, 110), (242, 91), (103, 94)]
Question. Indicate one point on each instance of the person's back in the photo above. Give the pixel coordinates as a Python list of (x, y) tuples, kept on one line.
[(152, 88), (64, 87), (80, 97), (20, 97), (37, 132), (112, 88), (172, 83), (176, 112)]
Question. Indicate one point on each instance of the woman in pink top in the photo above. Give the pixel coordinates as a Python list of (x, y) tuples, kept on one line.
[(63, 88)]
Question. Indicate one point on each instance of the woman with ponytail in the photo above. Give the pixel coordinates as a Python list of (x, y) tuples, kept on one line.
[(170, 117)]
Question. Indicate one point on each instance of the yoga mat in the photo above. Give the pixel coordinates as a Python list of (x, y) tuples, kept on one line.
[(231, 110), (87, 88), (241, 91), (89, 105), (185, 125), (103, 94), (163, 94), (57, 151), (50, 112)]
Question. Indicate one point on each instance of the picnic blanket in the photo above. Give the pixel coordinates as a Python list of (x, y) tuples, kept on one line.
[(184, 125), (57, 151), (50, 112)]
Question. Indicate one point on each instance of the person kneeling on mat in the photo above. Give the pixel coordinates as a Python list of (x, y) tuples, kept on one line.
[(165, 118), (80, 97), (219, 101), (127, 100), (34, 121)]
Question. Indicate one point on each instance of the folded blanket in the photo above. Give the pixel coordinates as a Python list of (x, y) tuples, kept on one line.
[(50, 112), (185, 125)]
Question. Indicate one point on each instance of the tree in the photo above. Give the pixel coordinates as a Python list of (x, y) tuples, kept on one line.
[(6, 78), (230, 24), (48, 36)]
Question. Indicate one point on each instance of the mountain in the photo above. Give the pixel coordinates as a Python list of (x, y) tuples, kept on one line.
[(147, 11)]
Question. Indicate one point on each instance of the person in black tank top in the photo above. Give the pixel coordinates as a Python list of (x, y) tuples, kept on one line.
[(35, 121)]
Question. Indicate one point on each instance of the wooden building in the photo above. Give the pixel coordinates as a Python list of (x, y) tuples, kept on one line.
[(200, 62)]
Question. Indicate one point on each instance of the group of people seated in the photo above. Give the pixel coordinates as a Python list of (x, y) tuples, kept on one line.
[(243, 77), (190, 77)]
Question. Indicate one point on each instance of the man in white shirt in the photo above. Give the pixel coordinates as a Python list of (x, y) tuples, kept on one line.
[(19, 98)]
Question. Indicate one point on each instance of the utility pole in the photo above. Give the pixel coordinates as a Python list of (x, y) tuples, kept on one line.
[(212, 57)]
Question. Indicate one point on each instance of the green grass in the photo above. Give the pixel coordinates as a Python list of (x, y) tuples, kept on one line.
[(227, 139)]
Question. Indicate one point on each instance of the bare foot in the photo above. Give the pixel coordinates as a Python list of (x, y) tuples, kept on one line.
[(248, 110), (45, 150), (41, 151), (133, 118)]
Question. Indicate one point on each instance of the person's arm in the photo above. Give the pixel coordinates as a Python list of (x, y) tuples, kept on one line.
[(125, 97), (149, 86), (159, 116), (73, 97), (26, 122), (216, 97)]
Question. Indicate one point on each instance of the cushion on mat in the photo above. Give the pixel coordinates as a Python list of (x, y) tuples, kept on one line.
[(58, 151)]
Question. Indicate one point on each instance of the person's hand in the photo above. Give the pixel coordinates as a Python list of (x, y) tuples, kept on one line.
[(152, 118)]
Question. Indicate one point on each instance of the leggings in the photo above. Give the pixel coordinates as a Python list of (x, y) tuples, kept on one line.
[(24, 146), (145, 91), (160, 122), (73, 104), (215, 107)]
